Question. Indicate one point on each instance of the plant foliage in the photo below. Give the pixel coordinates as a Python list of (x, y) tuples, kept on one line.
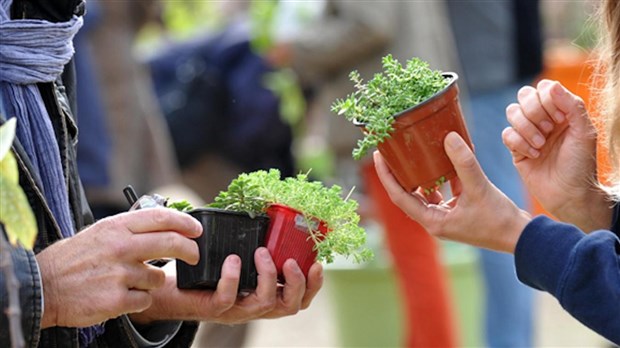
[(388, 93), (254, 192), (15, 212), (182, 206)]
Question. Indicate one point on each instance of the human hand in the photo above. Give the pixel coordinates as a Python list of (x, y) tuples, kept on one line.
[(225, 306), (477, 214), (100, 273), (553, 144)]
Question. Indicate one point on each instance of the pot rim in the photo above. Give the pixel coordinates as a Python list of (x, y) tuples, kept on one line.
[(225, 212), (448, 74)]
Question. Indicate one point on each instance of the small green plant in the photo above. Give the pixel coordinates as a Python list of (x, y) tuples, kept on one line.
[(182, 206), (388, 93), (254, 192)]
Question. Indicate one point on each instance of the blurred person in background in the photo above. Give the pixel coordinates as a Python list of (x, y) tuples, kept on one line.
[(355, 36), (500, 49), (553, 144), (140, 149)]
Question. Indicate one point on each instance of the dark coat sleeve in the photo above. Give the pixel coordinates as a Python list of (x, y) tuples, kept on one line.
[(27, 273), (582, 271)]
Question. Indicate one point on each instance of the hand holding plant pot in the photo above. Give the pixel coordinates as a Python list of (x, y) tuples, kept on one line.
[(406, 112), (308, 221)]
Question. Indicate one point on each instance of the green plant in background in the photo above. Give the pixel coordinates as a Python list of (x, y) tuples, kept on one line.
[(388, 93), (15, 212), (254, 192)]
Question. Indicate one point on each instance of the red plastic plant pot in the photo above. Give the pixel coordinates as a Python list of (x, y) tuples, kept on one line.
[(414, 152), (288, 237)]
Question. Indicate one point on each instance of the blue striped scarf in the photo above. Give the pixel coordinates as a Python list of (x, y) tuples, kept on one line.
[(31, 52)]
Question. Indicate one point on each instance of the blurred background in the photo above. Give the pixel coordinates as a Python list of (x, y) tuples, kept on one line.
[(179, 97)]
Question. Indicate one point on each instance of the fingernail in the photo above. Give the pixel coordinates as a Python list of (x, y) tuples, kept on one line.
[(546, 126), (264, 254), (453, 140), (296, 267), (534, 153), (538, 140), (234, 260), (559, 116)]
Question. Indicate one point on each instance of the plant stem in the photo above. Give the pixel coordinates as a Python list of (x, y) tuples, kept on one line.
[(13, 311)]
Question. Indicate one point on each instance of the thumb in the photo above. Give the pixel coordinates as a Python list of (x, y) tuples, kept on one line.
[(467, 168), (572, 106)]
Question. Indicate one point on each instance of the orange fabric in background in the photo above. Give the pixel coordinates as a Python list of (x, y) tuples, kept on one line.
[(574, 69), (422, 279)]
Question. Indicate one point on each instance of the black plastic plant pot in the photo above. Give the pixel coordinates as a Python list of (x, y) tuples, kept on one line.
[(224, 233)]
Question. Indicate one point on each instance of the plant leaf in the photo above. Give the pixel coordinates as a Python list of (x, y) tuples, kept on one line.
[(7, 134), (16, 214), (8, 168)]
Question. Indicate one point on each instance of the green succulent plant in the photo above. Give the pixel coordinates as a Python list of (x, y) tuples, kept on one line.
[(375, 103), (254, 192)]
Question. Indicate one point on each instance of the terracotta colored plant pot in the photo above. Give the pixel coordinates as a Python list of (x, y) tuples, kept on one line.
[(415, 152), (224, 233), (288, 237)]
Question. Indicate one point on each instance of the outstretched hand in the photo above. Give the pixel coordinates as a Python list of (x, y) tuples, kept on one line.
[(477, 214)]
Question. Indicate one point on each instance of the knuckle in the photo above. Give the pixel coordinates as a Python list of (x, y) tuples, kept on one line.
[(292, 309), (580, 104), (119, 248), (267, 305), (157, 278), (468, 162), (160, 216), (224, 302)]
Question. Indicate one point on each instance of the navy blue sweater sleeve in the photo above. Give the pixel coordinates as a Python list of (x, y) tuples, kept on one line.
[(581, 270)]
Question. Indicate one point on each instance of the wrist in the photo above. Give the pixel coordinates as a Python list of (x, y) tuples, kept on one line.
[(49, 317), (593, 212), (512, 228)]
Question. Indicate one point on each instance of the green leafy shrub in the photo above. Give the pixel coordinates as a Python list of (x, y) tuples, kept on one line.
[(254, 192), (388, 93)]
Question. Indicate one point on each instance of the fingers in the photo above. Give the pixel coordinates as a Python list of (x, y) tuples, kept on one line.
[(157, 245), (266, 290), (573, 107), (467, 168), (136, 301), (145, 277), (293, 291), (540, 112), (519, 147), (406, 202), (158, 220), (313, 284), (225, 294)]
